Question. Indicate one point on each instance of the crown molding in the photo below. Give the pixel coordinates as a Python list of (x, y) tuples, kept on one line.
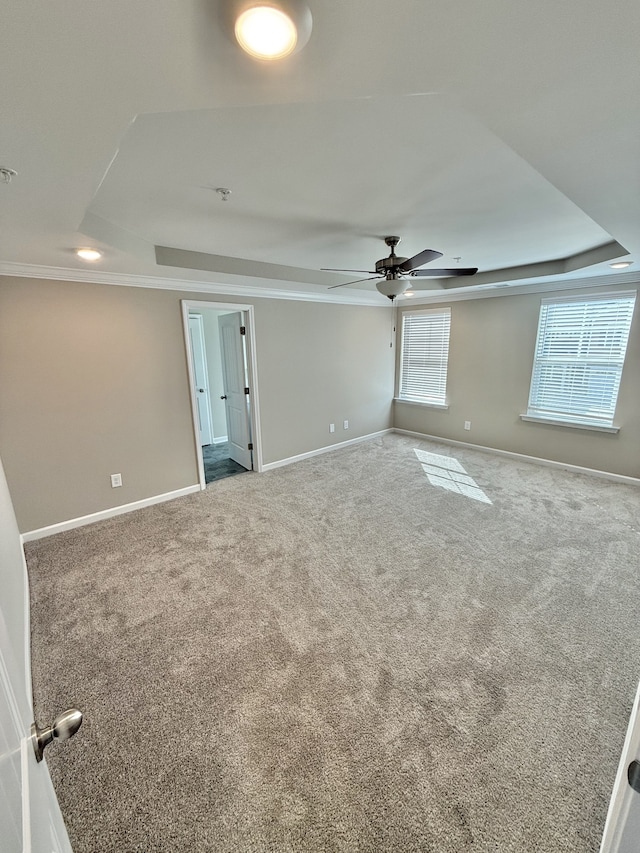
[(488, 291), (485, 291), (11, 268)]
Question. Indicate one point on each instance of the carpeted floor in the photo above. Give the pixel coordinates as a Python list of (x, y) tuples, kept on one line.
[(217, 464), (370, 650)]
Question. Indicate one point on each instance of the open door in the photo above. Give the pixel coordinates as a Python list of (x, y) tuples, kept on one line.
[(30, 818), (236, 389), (201, 377), (622, 829)]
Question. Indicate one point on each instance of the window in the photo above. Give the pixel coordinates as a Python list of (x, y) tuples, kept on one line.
[(425, 351), (579, 357)]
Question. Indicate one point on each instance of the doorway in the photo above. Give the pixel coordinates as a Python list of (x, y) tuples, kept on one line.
[(220, 348)]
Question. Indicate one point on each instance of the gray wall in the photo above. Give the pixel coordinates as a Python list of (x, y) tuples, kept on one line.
[(490, 360), (93, 381)]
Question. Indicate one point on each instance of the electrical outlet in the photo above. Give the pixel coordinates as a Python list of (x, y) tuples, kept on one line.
[(332, 427), (345, 425), (467, 424), (116, 480)]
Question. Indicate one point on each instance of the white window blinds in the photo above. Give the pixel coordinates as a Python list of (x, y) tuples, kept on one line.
[(425, 352), (579, 357)]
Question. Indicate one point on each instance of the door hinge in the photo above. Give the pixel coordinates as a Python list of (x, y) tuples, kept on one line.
[(246, 390), (250, 446), (243, 330)]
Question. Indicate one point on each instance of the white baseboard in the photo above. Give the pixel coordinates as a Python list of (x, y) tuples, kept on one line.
[(550, 463), (222, 440), (291, 459), (41, 532)]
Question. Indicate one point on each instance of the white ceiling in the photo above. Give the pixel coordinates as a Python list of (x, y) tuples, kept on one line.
[(505, 134)]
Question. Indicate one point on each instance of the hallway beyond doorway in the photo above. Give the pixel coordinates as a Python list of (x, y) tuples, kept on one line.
[(217, 464)]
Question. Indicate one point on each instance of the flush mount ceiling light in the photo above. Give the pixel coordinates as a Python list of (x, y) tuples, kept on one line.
[(620, 265), (89, 254), (271, 30)]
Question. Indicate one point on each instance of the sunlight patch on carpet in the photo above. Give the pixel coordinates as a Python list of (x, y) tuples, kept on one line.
[(446, 472)]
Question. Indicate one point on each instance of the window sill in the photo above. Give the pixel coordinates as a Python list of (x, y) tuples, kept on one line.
[(442, 406), (571, 424)]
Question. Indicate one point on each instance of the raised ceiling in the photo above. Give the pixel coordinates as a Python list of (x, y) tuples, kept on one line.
[(502, 134)]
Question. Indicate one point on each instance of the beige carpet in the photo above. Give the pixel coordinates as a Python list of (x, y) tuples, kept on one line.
[(364, 651)]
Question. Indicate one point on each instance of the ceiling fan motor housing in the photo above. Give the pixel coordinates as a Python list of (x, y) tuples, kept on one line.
[(386, 265)]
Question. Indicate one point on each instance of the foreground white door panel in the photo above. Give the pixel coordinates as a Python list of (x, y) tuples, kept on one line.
[(622, 829), (30, 819), (234, 373)]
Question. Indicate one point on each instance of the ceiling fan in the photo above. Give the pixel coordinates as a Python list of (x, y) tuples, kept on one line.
[(395, 272)]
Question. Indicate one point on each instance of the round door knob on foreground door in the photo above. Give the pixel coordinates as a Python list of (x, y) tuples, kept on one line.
[(63, 727)]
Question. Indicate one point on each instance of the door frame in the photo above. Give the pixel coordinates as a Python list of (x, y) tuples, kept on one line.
[(188, 305)]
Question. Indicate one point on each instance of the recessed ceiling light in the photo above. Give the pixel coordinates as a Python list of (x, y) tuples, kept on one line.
[(266, 33), (89, 254), (620, 265), (270, 29)]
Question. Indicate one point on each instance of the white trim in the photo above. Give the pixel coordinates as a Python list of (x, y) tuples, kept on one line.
[(27, 628), (487, 291), (191, 373), (254, 394), (577, 297), (549, 463), (220, 440), (291, 459), (537, 419), (252, 367), (361, 297), (372, 299), (61, 526), (422, 403)]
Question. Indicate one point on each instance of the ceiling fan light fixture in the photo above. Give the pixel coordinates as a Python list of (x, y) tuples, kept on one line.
[(392, 287), (271, 30)]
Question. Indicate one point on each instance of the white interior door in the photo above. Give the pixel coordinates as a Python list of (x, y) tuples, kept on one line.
[(234, 374), (200, 377), (30, 818), (622, 829)]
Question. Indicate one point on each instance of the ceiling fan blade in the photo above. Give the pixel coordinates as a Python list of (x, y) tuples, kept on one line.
[(452, 273), (419, 260), (335, 269), (357, 281)]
